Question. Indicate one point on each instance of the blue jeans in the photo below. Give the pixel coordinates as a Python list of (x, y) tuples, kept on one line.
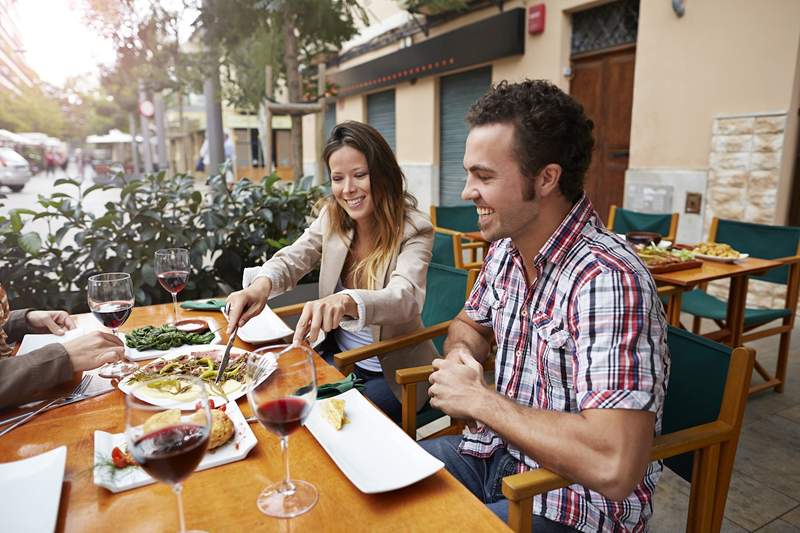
[(484, 478), (375, 387)]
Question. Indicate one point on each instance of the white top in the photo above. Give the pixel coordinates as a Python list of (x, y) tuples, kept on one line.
[(348, 339)]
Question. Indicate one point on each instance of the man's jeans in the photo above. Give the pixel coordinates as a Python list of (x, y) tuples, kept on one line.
[(484, 478)]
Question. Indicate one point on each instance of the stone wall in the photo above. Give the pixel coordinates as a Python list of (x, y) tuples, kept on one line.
[(744, 171)]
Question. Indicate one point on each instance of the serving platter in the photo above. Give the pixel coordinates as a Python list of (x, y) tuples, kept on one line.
[(672, 267), (718, 259), (143, 355)]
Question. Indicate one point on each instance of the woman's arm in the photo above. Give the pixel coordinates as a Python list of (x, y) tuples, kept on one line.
[(17, 325), (25, 377)]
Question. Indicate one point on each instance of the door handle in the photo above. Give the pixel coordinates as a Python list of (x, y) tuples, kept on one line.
[(619, 153)]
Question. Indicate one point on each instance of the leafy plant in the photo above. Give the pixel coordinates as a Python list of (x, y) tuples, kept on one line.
[(225, 231)]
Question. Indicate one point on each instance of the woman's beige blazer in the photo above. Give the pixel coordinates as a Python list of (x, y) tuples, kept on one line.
[(392, 309)]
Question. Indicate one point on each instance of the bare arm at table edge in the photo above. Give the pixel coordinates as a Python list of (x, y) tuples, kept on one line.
[(467, 336)]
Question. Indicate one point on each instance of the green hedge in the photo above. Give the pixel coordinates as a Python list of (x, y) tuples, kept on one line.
[(225, 231)]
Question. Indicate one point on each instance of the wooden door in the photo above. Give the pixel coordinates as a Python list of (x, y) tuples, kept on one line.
[(603, 83)]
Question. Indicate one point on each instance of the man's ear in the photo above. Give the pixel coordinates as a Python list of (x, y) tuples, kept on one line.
[(548, 180)]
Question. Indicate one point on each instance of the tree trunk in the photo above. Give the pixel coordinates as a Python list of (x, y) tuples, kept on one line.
[(290, 52)]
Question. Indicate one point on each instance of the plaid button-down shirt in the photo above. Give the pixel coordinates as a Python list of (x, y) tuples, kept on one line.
[(589, 333)]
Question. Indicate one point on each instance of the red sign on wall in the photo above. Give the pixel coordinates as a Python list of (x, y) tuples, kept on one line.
[(536, 19)]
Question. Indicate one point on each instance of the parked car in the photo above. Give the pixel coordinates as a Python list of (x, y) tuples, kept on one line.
[(15, 171)]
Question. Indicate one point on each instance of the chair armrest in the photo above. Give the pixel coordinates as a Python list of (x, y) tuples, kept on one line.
[(289, 310), (415, 374), (473, 244), (528, 484), (349, 357), (445, 231), (791, 260)]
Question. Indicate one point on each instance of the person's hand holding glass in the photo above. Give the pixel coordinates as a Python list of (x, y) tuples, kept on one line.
[(170, 446), (172, 271), (110, 298), (281, 402)]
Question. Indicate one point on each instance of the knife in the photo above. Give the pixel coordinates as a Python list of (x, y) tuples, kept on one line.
[(227, 355), (59, 404)]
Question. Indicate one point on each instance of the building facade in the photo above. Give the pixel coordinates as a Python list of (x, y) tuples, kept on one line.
[(15, 74), (696, 111)]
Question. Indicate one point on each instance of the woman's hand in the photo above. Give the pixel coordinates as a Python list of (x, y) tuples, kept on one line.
[(57, 322), (245, 304), (324, 314)]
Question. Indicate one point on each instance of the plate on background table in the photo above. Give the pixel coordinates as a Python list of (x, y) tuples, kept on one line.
[(233, 389), (31, 491), (371, 450), (719, 259), (143, 355), (121, 479)]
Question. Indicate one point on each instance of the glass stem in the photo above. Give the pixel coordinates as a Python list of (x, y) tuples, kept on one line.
[(177, 488), (175, 304), (288, 486)]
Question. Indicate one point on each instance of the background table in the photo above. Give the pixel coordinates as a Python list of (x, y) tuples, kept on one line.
[(224, 498)]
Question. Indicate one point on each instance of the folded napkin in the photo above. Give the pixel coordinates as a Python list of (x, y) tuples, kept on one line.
[(213, 304), (337, 387)]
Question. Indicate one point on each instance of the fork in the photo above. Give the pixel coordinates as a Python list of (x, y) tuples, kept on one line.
[(77, 391)]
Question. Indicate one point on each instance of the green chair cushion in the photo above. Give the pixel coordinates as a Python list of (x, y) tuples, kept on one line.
[(700, 303), (443, 249), (626, 220), (428, 415), (459, 218), (761, 240)]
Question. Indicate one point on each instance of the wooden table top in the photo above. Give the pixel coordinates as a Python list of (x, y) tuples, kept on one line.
[(713, 270), (224, 498)]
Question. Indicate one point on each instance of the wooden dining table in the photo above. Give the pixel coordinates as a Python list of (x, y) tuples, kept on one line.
[(224, 498), (739, 274)]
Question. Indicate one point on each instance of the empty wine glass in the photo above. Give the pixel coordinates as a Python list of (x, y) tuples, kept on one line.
[(172, 270), (169, 441), (110, 298), (282, 387)]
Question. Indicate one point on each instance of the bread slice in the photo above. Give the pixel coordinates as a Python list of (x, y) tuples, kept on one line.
[(333, 412)]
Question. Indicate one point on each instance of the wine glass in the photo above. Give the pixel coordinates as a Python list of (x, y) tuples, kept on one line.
[(172, 270), (110, 298), (169, 441), (281, 402)]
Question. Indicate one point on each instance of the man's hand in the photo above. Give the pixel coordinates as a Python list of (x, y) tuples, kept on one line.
[(324, 314), (247, 303), (457, 386), (57, 322), (94, 349)]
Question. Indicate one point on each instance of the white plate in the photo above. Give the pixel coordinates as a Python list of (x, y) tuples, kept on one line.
[(135, 355), (264, 327), (30, 491), (741, 257), (374, 453), (129, 388), (118, 480), (664, 244)]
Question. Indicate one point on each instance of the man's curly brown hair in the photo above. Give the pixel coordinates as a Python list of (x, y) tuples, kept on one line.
[(549, 127)]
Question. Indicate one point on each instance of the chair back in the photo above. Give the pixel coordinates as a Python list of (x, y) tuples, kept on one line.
[(624, 220), (444, 297), (443, 253), (698, 370), (462, 218), (759, 240)]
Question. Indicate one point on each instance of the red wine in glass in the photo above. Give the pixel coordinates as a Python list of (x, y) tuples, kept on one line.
[(112, 314), (173, 281), (172, 271), (284, 415), (171, 453)]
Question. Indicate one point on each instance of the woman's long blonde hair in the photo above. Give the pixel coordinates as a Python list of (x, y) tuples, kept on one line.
[(387, 186)]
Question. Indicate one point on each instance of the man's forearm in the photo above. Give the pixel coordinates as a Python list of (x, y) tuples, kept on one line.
[(461, 334), (606, 450)]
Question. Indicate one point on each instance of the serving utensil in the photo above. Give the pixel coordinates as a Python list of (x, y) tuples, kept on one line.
[(226, 356), (77, 391)]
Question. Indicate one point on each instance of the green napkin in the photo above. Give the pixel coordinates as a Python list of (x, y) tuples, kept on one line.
[(205, 305), (332, 389)]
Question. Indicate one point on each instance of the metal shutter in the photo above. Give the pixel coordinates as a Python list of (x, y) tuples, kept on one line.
[(380, 114), (456, 94), (330, 121)]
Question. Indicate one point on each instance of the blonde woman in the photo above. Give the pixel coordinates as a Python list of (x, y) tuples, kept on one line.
[(373, 248)]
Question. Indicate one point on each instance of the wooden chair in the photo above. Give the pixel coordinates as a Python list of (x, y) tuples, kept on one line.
[(624, 220), (781, 243), (449, 247), (447, 290), (703, 411)]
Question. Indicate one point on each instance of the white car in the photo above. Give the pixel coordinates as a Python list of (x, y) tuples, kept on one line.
[(14, 170)]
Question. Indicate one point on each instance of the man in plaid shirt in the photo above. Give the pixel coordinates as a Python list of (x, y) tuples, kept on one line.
[(582, 363)]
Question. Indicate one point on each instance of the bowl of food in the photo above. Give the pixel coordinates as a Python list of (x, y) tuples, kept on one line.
[(644, 238), (192, 325)]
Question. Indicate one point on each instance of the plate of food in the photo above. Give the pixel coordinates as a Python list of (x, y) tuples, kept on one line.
[(719, 252), (371, 450), (200, 361), (262, 328), (659, 260), (149, 342), (115, 469)]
